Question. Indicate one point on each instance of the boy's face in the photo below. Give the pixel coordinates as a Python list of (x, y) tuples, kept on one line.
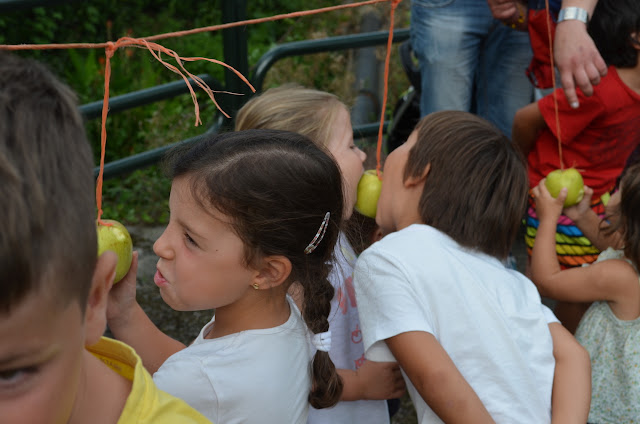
[(399, 199), (41, 351)]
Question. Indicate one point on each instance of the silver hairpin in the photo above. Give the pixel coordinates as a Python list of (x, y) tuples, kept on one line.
[(319, 235)]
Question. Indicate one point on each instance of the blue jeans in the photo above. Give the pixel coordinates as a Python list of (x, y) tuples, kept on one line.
[(470, 61)]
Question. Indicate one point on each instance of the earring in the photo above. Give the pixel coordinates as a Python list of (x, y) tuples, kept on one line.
[(255, 286)]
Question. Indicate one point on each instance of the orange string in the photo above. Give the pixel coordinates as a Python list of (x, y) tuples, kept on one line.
[(394, 4), (553, 82), (156, 50)]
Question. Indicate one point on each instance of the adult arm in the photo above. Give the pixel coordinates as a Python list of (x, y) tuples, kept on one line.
[(437, 379), (571, 395), (527, 123), (130, 324), (577, 58)]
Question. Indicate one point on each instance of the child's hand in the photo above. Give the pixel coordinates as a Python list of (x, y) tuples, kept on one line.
[(380, 380), (548, 207), (578, 210), (122, 296)]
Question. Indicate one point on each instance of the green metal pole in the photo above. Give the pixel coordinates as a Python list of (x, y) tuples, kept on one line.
[(235, 54)]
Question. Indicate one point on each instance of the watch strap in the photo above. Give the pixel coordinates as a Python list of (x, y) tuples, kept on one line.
[(573, 13)]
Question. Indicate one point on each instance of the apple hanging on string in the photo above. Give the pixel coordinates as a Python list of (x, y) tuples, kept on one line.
[(368, 193), (569, 178), (115, 237)]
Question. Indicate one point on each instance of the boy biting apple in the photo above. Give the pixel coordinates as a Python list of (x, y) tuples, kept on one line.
[(472, 337)]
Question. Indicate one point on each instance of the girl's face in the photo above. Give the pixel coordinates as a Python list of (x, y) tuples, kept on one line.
[(201, 259), (613, 207), (348, 157)]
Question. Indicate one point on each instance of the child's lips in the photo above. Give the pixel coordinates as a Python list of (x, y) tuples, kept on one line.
[(159, 279)]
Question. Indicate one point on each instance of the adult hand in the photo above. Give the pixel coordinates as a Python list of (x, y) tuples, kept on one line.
[(577, 59), (502, 9), (548, 207), (512, 13)]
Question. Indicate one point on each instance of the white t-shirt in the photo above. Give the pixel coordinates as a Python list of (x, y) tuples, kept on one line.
[(254, 376), (347, 350), (488, 318)]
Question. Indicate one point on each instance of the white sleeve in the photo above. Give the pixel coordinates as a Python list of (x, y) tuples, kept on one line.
[(549, 315), (388, 304), (185, 378)]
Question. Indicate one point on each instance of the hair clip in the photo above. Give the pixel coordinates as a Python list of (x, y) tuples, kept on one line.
[(322, 341), (319, 235)]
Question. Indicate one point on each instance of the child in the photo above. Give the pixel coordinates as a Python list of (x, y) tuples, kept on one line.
[(251, 212), (325, 120), (596, 139), (54, 365), (610, 329), (472, 337)]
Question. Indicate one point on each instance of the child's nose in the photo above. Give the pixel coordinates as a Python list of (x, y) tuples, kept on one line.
[(162, 247), (363, 155)]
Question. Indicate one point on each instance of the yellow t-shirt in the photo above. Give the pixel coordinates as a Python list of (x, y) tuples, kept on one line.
[(146, 403)]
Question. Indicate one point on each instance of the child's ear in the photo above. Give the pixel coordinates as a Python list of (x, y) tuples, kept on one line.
[(274, 270), (411, 182), (96, 311)]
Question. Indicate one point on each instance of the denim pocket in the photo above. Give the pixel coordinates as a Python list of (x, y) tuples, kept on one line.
[(431, 4)]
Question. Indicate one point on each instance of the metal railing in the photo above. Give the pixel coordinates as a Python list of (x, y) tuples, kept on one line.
[(235, 44)]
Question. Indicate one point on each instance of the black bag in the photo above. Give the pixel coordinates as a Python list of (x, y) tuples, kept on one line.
[(406, 112)]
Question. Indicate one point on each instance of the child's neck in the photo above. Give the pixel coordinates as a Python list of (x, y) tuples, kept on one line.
[(258, 310), (102, 393), (631, 76)]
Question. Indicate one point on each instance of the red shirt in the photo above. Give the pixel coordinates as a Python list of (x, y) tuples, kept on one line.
[(597, 138)]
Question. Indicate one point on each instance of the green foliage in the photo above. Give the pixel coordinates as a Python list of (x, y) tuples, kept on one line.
[(141, 197)]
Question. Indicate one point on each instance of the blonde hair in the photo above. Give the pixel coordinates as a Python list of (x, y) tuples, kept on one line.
[(292, 107)]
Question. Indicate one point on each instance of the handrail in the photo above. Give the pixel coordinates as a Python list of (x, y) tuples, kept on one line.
[(126, 101), (151, 157), (146, 96), (341, 42)]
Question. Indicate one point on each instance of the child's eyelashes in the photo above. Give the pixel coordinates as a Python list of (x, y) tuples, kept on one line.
[(13, 377), (190, 240)]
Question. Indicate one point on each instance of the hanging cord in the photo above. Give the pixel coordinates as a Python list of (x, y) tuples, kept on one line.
[(156, 50), (553, 82)]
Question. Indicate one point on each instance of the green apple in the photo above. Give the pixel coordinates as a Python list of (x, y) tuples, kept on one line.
[(368, 193), (115, 237), (569, 178)]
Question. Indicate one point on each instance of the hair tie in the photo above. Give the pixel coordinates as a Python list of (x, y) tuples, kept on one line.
[(322, 341), (319, 235)]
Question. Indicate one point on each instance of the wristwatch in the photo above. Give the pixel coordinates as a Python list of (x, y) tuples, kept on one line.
[(569, 13)]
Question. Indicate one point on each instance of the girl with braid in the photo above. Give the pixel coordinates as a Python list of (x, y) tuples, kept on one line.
[(252, 212), (323, 118)]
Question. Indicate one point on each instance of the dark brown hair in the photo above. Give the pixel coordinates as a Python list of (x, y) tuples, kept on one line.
[(629, 214), (277, 187), (48, 239), (476, 189), (613, 27)]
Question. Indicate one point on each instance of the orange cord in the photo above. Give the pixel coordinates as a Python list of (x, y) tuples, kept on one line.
[(156, 50), (553, 81), (394, 4)]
